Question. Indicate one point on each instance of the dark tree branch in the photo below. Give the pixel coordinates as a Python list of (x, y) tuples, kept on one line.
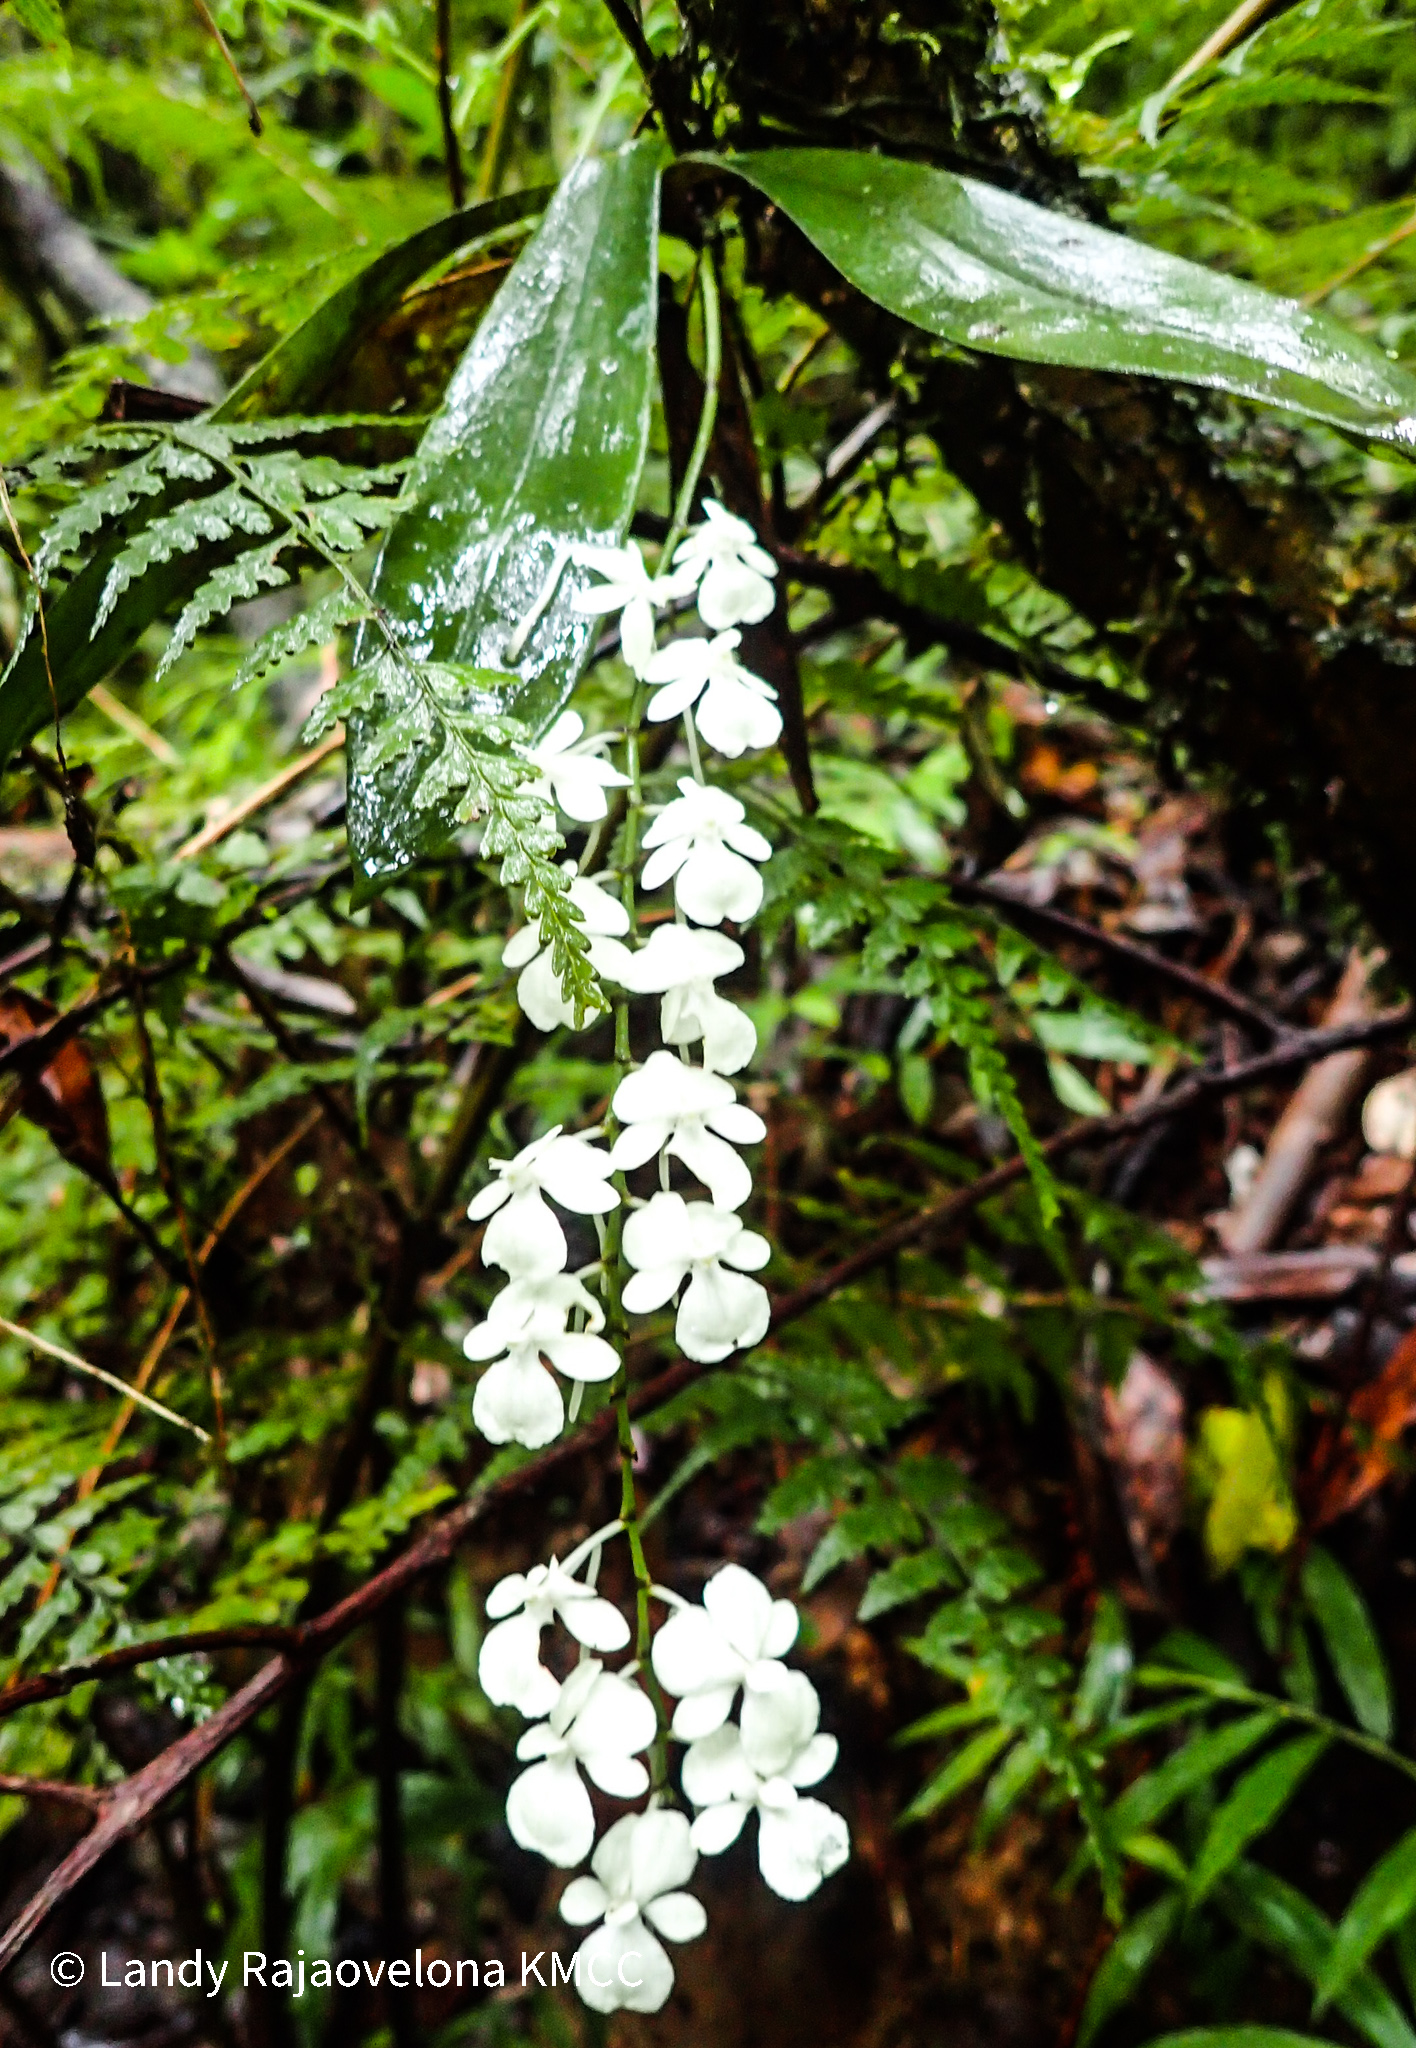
[(452, 154), (1216, 995)]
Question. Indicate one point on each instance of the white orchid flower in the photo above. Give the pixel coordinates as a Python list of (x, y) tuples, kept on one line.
[(639, 1864), (669, 1241), (524, 1236), (681, 963), (761, 1767), (629, 589), (668, 1106), (516, 1400), (538, 988), (571, 772), (701, 840), (737, 570), (599, 1723), (522, 1604), (737, 1637), (738, 710)]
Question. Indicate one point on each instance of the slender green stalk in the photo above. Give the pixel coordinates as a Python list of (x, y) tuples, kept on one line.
[(707, 420), (1156, 1675)]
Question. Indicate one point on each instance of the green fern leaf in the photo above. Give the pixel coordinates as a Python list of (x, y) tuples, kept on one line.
[(309, 628), (216, 518), (94, 510), (231, 584)]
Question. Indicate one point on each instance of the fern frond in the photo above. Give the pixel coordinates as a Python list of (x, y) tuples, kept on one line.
[(232, 584), (310, 628), (94, 510), (216, 518)]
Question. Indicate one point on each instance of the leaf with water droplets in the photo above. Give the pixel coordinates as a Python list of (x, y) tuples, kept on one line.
[(990, 271)]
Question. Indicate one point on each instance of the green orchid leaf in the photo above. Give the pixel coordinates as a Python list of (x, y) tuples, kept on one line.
[(539, 445), (987, 270)]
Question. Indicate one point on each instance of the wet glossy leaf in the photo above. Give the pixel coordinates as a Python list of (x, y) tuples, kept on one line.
[(990, 271), (1351, 1641), (1240, 2037), (539, 444)]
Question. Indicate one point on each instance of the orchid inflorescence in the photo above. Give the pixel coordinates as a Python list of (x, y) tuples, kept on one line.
[(599, 1724)]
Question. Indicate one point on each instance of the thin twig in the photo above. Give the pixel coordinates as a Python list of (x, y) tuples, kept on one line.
[(156, 1349), (911, 1231), (494, 149), (452, 155), (1373, 253), (136, 728), (172, 1188), (96, 1372), (210, 835), (1217, 995), (1247, 16), (14, 1785), (253, 112), (630, 27)]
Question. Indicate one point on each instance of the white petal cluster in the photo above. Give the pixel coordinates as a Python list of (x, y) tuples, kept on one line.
[(524, 1236), (681, 962), (571, 771), (600, 1724), (528, 1325), (701, 839), (509, 1665), (630, 590), (639, 1865), (736, 709), (690, 1114), (703, 1655), (596, 1725), (670, 1241), (517, 1401), (736, 570)]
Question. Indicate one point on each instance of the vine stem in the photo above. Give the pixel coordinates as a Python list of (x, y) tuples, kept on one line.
[(1156, 1676), (708, 418)]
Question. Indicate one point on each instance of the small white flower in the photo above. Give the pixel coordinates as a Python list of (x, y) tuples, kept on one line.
[(681, 963), (538, 988), (630, 589), (516, 1400), (738, 710), (669, 1241), (600, 1722), (639, 1864), (799, 1841), (571, 772), (703, 1654), (522, 1604), (667, 1105), (524, 1236), (701, 840), (737, 571), (761, 1767)]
